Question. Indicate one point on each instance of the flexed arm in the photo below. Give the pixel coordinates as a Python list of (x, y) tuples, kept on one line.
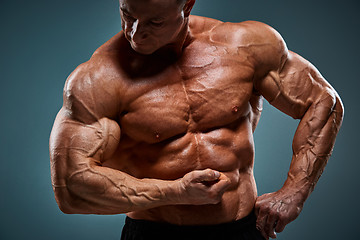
[(84, 135), (82, 185), (294, 86)]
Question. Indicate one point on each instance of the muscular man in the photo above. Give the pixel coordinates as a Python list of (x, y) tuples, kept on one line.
[(159, 124)]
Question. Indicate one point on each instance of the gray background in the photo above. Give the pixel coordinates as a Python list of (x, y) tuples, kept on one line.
[(43, 41)]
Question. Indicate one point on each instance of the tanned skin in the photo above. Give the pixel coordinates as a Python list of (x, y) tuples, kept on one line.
[(159, 123)]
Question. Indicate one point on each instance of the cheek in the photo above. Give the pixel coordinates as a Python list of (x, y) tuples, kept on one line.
[(175, 29), (170, 31)]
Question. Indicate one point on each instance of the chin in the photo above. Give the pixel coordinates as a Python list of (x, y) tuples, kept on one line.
[(143, 49), (144, 52)]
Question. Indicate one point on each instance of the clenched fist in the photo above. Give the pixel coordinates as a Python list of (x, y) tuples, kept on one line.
[(202, 187)]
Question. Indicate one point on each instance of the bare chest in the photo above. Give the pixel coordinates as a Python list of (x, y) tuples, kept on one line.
[(207, 88)]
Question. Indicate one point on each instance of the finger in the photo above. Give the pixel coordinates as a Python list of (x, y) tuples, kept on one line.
[(280, 226), (221, 185), (261, 221), (259, 201), (207, 175), (270, 224), (257, 208), (258, 205)]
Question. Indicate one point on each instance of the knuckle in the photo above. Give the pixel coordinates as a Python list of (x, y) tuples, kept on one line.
[(265, 208), (210, 173), (257, 205), (274, 213)]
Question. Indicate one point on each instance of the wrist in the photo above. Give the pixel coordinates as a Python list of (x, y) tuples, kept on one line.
[(174, 190), (168, 191), (299, 190)]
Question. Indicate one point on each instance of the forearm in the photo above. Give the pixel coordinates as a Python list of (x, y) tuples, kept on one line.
[(313, 144), (101, 190)]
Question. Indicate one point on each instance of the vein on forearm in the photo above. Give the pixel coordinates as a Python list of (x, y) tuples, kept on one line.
[(314, 140)]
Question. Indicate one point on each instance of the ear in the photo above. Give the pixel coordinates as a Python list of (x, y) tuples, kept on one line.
[(188, 7)]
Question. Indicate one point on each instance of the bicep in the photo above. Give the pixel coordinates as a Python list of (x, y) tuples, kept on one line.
[(75, 145), (295, 86)]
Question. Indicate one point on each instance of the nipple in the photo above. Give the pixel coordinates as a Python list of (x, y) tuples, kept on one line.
[(157, 135), (235, 109)]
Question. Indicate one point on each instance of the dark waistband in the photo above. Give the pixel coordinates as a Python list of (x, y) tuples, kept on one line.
[(143, 225)]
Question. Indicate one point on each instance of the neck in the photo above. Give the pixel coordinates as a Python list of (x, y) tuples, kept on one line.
[(182, 40)]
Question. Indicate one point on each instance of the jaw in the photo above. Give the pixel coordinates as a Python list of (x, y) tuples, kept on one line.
[(175, 44), (143, 49)]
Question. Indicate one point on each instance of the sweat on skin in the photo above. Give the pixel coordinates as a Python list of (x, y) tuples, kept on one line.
[(159, 123)]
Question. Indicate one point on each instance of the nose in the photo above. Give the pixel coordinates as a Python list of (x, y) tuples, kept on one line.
[(138, 32)]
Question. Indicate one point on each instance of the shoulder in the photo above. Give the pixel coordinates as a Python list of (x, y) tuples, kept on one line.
[(92, 90), (261, 41), (112, 46), (199, 25), (248, 32), (251, 33)]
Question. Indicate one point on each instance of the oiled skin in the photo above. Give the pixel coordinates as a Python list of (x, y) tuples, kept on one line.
[(132, 126)]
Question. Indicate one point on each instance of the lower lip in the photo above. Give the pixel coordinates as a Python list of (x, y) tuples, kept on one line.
[(141, 48)]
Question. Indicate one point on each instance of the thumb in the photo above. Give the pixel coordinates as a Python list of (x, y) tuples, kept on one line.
[(207, 175)]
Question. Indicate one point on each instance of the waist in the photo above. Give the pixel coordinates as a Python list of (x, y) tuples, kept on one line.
[(153, 226), (234, 205)]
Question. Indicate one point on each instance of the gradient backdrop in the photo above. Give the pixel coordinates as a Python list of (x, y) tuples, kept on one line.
[(43, 41)]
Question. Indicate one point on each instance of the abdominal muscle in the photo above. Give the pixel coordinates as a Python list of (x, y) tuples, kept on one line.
[(235, 204), (229, 150)]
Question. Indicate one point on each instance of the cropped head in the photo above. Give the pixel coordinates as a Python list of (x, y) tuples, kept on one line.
[(149, 25)]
